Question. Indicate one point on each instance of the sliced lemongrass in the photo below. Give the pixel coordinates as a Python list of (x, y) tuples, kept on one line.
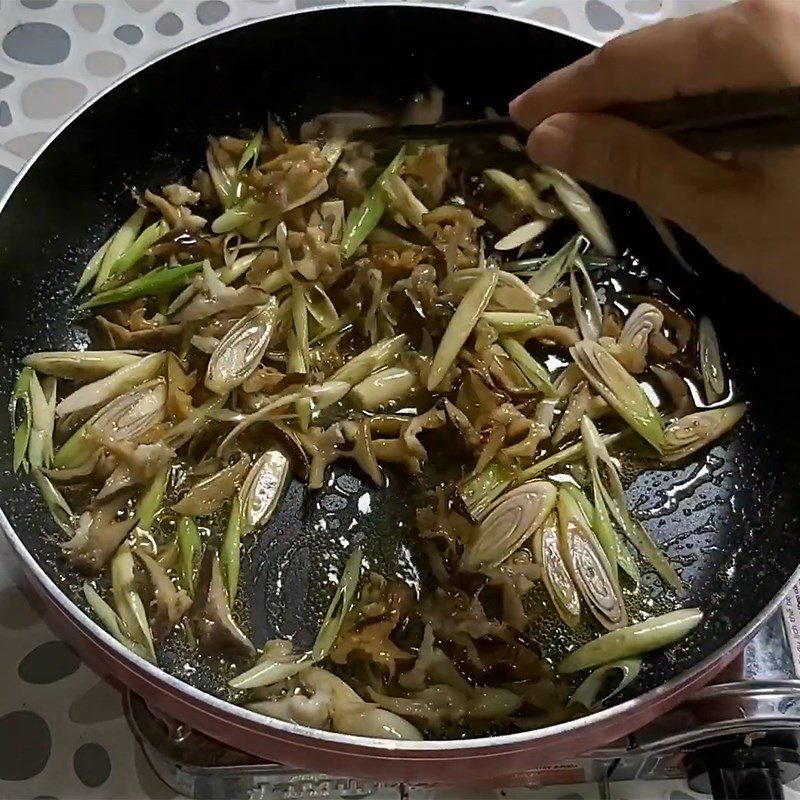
[(710, 361), (40, 441), (50, 387), (56, 504), (223, 174), (189, 548), (82, 365), (131, 257), (555, 575), (90, 271), (582, 209), (21, 418), (643, 320), (181, 433), (587, 564), (266, 412), (461, 281), (513, 518), (530, 367), (527, 267), (118, 244), (478, 492), (251, 150), (384, 387), (262, 489), (361, 221), (241, 349), (106, 389), (643, 637), (226, 275), (160, 281), (230, 555), (577, 494), (588, 694), (547, 276), (345, 321), (233, 271), (695, 431), (402, 201), (268, 673), (369, 360), (298, 347), (620, 390), (613, 545), (516, 321), (522, 235), (249, 210), (321, 307), (627, 563), (566, 455), (521, 193), (312, 194), (300, 320), (128, 603), (125, 417), (604, 529), (613, 495), (339, 606), (596, 450), (644, 543), (585, 304), (110, 620), (151, 500), (326, 394), (469, 311), (297, 364)]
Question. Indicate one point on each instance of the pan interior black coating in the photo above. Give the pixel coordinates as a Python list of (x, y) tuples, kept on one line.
[(729, 521)]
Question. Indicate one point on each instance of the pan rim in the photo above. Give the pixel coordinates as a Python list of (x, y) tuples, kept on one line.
[(372, 746)]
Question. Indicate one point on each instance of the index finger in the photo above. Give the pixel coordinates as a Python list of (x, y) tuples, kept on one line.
[(735, 47)]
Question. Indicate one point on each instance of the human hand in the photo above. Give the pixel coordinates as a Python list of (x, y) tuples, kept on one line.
[(745, 209)]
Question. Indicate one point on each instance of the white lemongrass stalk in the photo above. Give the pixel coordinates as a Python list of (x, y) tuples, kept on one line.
[(240, 351), (370, 360), (620, 390), (555, 575), (469, 311), (515, 517), (82, 365), (582, 209), (653, 634), (696, 431), (106, 389)]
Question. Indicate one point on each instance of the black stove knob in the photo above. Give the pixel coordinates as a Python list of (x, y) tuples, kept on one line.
[(745, 768)]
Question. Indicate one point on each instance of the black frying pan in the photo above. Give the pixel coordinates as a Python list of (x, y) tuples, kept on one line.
[(729, 523)]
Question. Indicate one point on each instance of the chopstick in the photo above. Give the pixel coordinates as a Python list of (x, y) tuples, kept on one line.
[(727, 120)]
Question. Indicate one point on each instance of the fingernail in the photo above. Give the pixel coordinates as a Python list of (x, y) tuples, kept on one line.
[(550, 142)]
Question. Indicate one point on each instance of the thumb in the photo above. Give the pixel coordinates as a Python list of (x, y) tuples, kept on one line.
[(644, 166)]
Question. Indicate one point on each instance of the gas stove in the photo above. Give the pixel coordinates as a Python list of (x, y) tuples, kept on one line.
[(737, 737)]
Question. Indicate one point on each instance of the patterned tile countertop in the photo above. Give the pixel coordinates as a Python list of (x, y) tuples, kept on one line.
[(62, 731)]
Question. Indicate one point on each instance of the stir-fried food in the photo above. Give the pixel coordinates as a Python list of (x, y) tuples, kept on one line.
[(410, 308)]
